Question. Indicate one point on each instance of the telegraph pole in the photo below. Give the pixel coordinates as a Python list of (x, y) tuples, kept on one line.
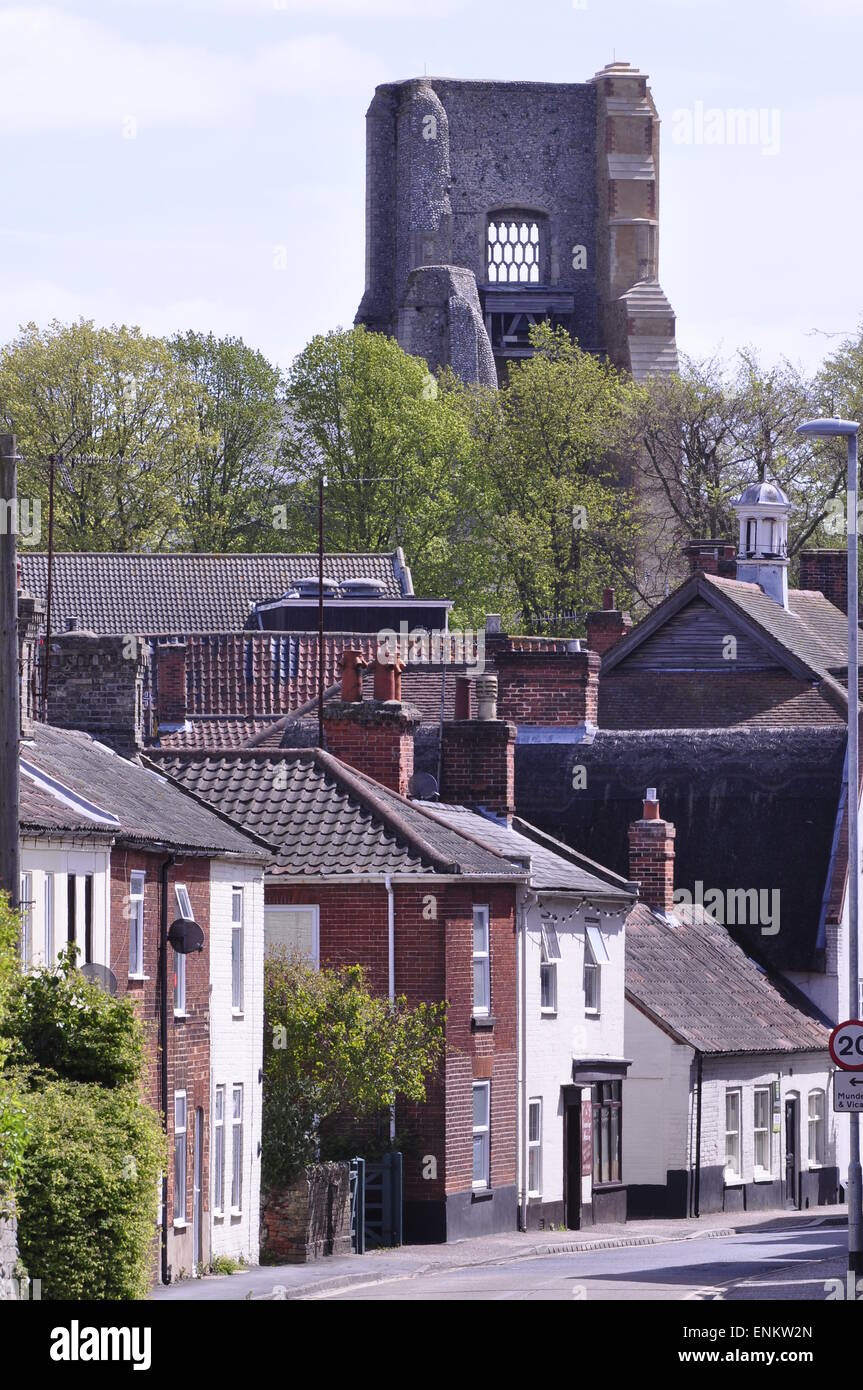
[(10, 714)]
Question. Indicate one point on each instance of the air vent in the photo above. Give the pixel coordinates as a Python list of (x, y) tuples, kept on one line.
[(363, 588)]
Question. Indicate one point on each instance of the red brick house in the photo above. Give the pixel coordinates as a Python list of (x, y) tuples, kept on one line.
[(362, 874)]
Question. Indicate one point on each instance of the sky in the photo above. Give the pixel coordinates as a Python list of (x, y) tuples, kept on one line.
[(201, 163)]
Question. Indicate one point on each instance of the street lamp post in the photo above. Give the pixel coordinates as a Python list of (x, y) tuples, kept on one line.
[(849, 428)]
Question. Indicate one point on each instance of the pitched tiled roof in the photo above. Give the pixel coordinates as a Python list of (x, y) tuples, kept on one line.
[(149, 810), (326, 819), (162, 594), (552, 864), (690, 976)]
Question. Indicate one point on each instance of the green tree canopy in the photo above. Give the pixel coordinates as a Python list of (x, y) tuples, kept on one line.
[(331, 1047)]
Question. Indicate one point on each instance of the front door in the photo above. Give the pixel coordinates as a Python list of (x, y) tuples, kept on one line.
[(791, 1127), (572, 1165), (197, 1243)]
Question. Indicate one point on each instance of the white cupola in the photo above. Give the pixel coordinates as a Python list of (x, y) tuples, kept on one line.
[(762, 551)]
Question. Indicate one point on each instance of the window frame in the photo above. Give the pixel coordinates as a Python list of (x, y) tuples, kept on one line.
[(503, 218), (237, 1149), (481, 960), (314, 908), (591, 970), (48, 917), (606, 1099), (219, 1150), (184, 908), (534, 1147), (763, 1132), (734, 1176), (238, 952), (25, 908), (181, 1151), (820, 1123), (136, 901), (483, 1132)]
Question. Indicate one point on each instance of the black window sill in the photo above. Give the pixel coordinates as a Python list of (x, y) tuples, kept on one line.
[(484, 1194), (480, 1022), (608, 1186)]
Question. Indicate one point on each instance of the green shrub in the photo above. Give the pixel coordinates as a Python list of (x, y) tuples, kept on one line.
[(223, 1264), (63, 1024), (331, 1047), (87, 1191), (12, 1114)]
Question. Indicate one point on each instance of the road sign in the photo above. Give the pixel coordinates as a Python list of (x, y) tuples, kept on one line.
[(847, 1092), (846, 1045)]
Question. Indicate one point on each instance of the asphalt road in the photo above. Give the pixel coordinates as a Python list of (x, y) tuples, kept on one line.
[(789, 1264)]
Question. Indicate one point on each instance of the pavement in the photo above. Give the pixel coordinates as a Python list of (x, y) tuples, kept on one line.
[(334, 1275)]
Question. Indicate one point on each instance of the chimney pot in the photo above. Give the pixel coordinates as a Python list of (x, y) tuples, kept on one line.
[(608, 599), (353, 663), (486, 697), (462, 697), (388, 679)]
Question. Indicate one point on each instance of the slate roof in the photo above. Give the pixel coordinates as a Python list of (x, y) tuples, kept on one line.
[(111, 592), (753, 808), (552, 865), (43, 814), (325, 818), (693, 979), (150, 811)]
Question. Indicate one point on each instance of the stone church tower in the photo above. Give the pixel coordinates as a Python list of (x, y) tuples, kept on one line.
[(493, 205)]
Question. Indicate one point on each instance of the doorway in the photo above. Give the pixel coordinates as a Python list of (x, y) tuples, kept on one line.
[(792, 1198), (197, 1202), (572, 1164)]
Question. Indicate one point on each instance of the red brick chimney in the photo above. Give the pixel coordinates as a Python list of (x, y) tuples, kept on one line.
[(826, 570), (478, 757), (171, 682), (606, 625), (712, 557), (374, 736), (546, 680), (651, 855)]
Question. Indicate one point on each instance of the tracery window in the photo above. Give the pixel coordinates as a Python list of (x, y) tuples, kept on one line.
[(514, 249)]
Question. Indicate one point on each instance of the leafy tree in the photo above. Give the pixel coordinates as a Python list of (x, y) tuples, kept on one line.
[(227, 471), (547, 495), (391, 446), (698, 438), (334, 1048), (61, 1023), (118, 407)]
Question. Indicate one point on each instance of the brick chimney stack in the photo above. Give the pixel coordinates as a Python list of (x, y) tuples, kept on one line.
[(31, 625), (546, 680), (651, 855), (826, 570), (374, 736), (97, 685), (171, 683), (606, 625), (712, 557), (478, 757)]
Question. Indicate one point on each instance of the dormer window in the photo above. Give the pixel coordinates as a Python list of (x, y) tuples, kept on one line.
[(514, 248)]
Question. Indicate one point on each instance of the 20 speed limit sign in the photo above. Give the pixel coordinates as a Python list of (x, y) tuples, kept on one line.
[(846, 1045)]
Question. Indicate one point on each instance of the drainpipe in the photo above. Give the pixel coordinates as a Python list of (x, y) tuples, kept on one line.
[(698, 1084), (522, 1066), (163, 1046), (391, 968)]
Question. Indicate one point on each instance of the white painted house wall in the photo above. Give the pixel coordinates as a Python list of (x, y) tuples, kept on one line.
[(554, 1040), (660, 1111), (236, 1053), (60, 858)]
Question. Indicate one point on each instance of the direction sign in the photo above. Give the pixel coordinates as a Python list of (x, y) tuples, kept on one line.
[(846, 1045), (847, 1092)]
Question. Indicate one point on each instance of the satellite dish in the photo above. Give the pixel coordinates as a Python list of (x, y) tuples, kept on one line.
[(100, 975), (185, 936), (423, 787)]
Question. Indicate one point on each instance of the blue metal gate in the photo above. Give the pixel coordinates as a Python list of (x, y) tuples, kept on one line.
[(383, 1201)]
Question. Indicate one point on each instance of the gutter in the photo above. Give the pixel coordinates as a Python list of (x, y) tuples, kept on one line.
[(698, 1099), (391, 970), (163, 1044)]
